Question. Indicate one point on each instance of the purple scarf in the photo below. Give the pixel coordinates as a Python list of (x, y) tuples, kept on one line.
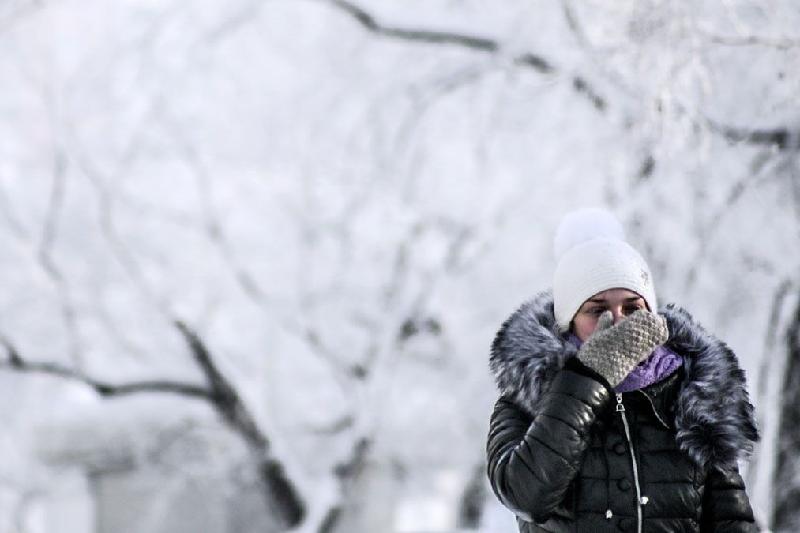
[(660, 364)]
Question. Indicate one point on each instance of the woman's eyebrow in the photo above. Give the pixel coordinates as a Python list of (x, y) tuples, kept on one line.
[(603, 301)]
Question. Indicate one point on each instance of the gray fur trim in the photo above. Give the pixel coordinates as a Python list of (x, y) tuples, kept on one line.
[(713, 413), (528, 351)]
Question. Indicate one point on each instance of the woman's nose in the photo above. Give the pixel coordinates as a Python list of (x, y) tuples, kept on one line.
[(617, 312)]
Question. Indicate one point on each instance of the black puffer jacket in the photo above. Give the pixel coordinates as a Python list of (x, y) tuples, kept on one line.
[(566, 453)]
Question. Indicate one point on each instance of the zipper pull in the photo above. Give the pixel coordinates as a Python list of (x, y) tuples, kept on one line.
[(620, 407)]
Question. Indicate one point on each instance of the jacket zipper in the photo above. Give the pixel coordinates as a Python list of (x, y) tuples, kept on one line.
[(639, 499)]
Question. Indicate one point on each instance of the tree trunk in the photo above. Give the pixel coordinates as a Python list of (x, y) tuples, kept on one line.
[(786, 516), (473, 497)]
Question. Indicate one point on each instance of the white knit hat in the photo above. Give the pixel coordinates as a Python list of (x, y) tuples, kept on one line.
[(592, 256)]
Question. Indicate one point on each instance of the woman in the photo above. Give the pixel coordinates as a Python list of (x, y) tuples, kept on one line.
[(612, 417)]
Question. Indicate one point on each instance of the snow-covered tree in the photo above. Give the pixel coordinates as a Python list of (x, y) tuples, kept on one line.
[(310, 217)]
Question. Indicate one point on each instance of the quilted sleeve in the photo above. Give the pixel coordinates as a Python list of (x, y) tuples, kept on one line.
[(532, 461), (726, 507)]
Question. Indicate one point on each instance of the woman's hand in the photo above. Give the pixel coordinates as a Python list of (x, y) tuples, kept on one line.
[(613, 350)]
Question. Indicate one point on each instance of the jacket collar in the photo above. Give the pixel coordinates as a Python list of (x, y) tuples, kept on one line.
[(713, 415), (659, 397)]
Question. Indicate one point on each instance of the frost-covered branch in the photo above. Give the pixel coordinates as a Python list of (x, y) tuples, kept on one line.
[(785, 515), (213, 225), (472, 499), (16, 362), (240, 17), (598, 57), (420, 35), (781, 43), (117, 245), (282, 495), (44, 251), (768, 371), (346, 472), (214, 229), (780, 138), (336, 427), (760, 172), (222, 393), (475, 43)]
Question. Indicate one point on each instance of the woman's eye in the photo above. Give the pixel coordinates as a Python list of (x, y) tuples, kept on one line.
[(597, 311), (631, 309)]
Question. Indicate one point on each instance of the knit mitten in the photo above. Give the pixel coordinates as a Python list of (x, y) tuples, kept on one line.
[(613, 350)]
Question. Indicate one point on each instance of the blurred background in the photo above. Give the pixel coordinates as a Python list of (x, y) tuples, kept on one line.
[(254, 253)]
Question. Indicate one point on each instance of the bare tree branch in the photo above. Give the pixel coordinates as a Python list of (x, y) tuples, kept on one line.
[(118, 247), (760, 172), (128, 341), (530, 60), (49, 234), (17, 363), (223, 395), (473, 495), (781, 43), (780, 138), (214, 229), (785, 512), (425, 36), (213, 226), (239, 17), (282, 495), (598, 62), (423, 100), (334, 428), (766, 369), (16, 227), (347, 473)]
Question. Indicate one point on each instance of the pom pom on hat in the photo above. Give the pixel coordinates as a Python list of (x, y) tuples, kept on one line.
[(584, 225), (592, 256)]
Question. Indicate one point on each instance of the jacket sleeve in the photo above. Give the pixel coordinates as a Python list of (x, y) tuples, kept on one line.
[(726, 507), (531, 462)]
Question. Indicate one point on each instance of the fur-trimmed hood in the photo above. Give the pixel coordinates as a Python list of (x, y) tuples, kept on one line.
[(713, 413)]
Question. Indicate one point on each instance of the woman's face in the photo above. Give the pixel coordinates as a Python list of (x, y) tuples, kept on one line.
[(621, 303)]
